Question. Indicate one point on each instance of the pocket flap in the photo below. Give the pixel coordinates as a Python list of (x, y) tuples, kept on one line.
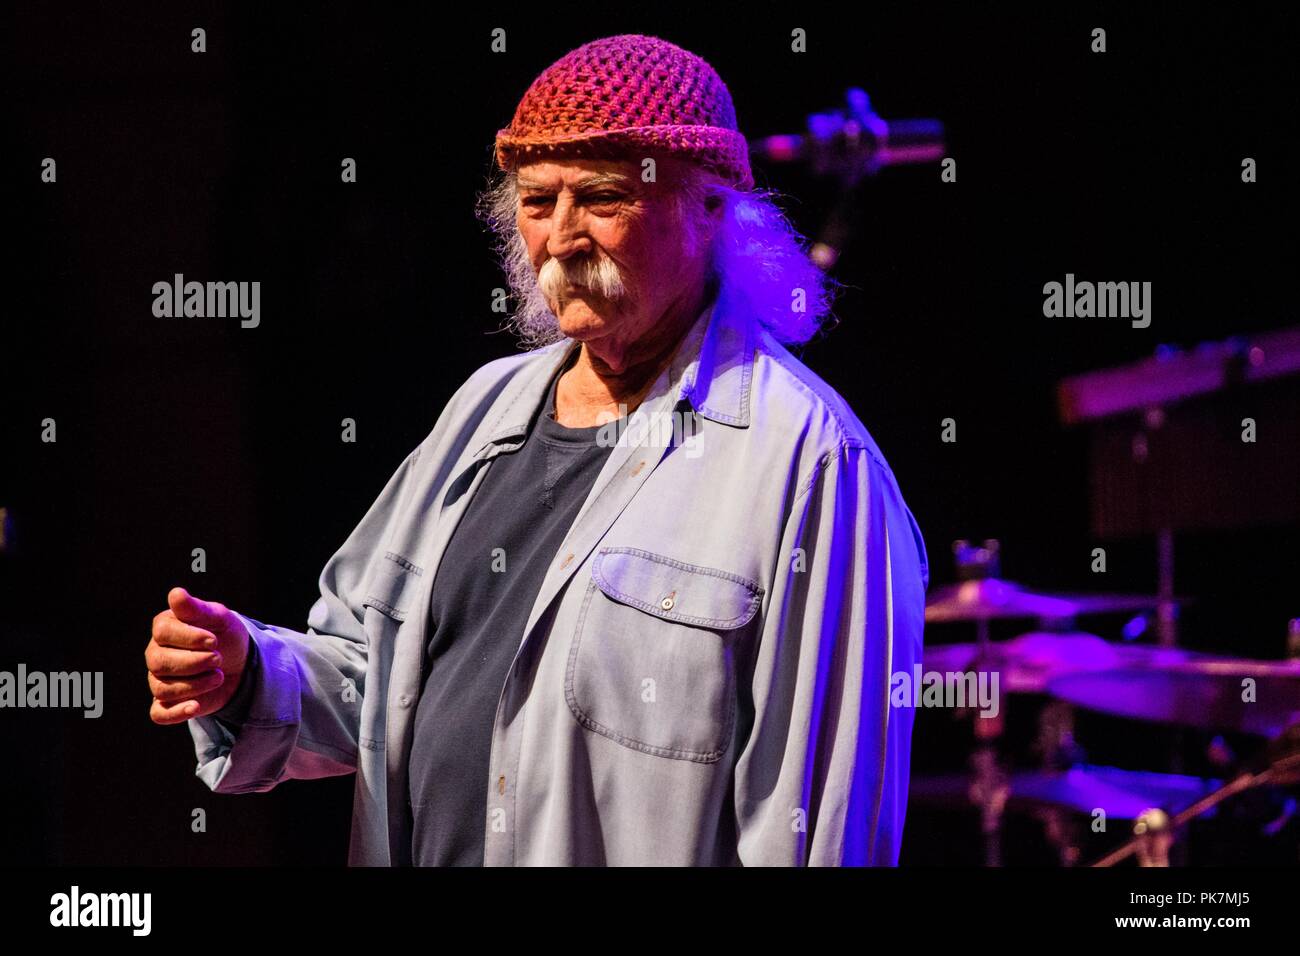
[(674, 590), (386, 593)]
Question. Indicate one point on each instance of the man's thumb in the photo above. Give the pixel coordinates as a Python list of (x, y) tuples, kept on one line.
[(192, 610)]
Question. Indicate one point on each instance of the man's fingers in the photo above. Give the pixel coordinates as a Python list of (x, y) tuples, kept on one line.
[(170, 632), (185, 666), (171, 662), (184, 657), (161, 713), (176, 690), (192, 610)]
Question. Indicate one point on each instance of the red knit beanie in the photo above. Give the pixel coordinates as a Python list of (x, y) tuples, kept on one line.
[(626, 96)]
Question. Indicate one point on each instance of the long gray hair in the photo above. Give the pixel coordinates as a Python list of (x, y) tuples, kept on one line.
[(758, 261)]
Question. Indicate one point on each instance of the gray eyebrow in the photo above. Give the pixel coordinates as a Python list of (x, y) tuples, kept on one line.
[(591, 182)]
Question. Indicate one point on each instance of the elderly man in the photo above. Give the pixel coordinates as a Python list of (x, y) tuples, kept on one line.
[(638, 596)]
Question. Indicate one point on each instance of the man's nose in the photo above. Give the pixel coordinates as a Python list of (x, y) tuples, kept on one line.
[(568, 236)]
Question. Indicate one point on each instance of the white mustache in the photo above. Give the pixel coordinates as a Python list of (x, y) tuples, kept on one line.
[(601, 276)]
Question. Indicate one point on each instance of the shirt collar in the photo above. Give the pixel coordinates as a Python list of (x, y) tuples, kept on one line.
[(714, 366)]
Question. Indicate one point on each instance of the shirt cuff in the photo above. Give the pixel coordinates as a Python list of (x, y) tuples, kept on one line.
[(234, 714)]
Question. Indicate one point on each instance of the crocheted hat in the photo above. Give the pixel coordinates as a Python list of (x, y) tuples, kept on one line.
[(625, 96)]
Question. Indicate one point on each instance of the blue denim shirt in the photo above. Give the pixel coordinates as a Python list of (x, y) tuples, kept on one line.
[(704, 677)]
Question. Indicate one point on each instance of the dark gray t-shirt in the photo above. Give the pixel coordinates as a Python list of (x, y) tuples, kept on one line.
[(481, 600)]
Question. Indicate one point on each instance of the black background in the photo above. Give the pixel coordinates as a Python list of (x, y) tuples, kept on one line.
[(183, 433)]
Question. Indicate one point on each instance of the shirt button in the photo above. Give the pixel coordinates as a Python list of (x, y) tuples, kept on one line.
[(404, 701), (667, 603)]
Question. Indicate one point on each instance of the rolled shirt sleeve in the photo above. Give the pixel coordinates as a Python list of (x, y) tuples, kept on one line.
[(822, 776)]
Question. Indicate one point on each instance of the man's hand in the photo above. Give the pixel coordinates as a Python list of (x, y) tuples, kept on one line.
[(195, 658)]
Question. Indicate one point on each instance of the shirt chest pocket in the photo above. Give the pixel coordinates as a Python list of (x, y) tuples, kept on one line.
[(652, 662)]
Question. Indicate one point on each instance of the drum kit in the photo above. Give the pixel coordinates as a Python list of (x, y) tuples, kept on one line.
[(1145, 683)]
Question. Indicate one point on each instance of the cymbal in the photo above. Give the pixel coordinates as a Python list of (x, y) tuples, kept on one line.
[(1026, 664), (1206, 693), (1116, 603), (1123, 794), (994, 598)]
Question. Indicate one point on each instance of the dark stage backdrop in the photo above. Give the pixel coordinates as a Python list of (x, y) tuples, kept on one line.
[(175, 434)]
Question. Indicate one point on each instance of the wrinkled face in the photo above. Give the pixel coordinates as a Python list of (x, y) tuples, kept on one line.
[(609, 253)]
